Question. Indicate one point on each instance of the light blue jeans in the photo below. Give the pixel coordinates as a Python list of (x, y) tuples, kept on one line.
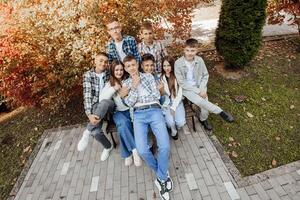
[(154, 118), (125, 130), (177, 120)]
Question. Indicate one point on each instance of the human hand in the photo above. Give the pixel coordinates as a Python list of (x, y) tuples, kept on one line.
[(117, 86), (160, 87), (123, 92), (136, 81), (172, 112), (94, 119), (203, 94)]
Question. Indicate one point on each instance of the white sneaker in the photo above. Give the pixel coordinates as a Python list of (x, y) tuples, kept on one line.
[(83, 142), (162, 188), (105, 153), (136, 158), (128, 160)]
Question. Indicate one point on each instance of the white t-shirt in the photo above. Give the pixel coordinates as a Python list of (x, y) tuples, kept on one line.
[(190, 73), (119, 46), (100, 76)]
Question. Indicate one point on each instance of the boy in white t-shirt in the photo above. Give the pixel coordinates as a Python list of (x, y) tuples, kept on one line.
[(120, 45), (192, 76)]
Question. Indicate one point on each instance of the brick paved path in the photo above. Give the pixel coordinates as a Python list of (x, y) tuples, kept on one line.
[(59, 171)]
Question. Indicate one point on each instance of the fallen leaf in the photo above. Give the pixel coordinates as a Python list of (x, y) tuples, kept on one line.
[(240, 98), (230, 145), (274, 162), (277, 138), (231, 139), (249, 115), (234, 154), (27, 149)]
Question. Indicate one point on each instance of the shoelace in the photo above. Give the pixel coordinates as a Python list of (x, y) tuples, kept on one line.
[(164, 186)]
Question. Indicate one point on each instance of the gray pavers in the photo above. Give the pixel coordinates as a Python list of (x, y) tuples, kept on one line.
[(59, 171)]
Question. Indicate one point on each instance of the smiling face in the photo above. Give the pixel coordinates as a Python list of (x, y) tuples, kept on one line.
[(167, 67), (148, 66), (114, 29), (119, 72), (101, 63), (190, 53), (131, 67)]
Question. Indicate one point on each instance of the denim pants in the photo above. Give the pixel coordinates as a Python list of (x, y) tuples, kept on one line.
[(125, 130), (154, 118), (177, 120), (101, 109)]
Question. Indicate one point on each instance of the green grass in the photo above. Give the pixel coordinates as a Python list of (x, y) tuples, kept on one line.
[(23, 131), (271, 87)]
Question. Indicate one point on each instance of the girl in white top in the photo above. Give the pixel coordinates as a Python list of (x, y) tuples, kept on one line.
[(121, 115), (173, 108)]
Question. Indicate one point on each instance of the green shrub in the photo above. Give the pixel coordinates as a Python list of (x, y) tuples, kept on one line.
[(239, 32)]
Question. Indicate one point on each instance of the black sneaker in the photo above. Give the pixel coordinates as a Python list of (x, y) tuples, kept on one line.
[(175, 137), (206, 125), (169, 184), (226, 116), (162, 188)]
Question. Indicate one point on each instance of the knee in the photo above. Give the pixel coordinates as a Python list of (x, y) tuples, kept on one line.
[(143, 151), (165, 148), (180, 124)]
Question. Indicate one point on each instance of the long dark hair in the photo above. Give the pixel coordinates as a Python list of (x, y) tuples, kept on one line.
[(113, 79), (172, 79)]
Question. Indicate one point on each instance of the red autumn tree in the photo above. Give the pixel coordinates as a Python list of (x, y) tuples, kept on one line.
[(46, 45), (279, 10)]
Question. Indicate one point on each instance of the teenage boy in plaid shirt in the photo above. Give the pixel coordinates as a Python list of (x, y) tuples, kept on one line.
[(93, 83), (144, 97), (151, 46), (120, 45)]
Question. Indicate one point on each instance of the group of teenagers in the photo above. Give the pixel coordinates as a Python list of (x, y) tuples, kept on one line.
[(142, 88)]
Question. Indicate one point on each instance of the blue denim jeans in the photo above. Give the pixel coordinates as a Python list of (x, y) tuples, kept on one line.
[(154, 118), (125, 130)]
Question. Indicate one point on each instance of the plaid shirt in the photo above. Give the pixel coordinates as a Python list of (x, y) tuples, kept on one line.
[(91, 89), (145, 93), (129, 47), (157, 50)]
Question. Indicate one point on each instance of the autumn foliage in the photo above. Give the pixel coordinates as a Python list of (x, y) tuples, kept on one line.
[(280, 10), (45, 46)]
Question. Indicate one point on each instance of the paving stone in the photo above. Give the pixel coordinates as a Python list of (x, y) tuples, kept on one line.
[(277, 187), (243, 193), (214, 192), (250, 190), (207, 177), (202, 187), (94, 184), (266, 185), (261, 192), (191, 181), (272, 194), (231, 190)]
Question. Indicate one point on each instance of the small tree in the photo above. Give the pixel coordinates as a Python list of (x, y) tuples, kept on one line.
[(239, 32)]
